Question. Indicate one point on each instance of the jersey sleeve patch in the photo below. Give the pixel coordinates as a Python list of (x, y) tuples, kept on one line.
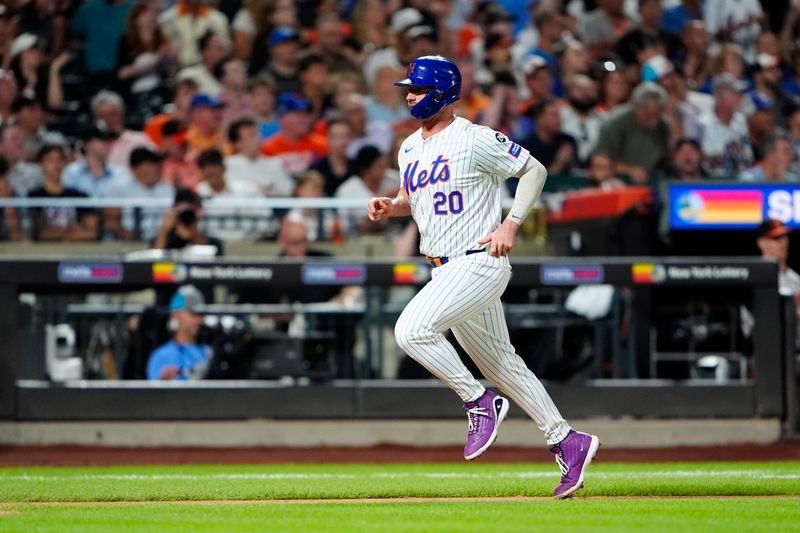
[(515, 150)]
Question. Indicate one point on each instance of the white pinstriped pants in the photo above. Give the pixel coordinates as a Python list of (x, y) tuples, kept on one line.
[(464, 296)]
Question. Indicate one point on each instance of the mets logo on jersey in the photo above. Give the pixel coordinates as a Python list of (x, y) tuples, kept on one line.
[(438, 171)]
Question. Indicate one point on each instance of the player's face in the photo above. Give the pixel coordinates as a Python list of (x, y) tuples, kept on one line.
[(415, 94)]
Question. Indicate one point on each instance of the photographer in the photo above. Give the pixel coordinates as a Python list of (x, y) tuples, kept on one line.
[(182, 358), (180, 226)]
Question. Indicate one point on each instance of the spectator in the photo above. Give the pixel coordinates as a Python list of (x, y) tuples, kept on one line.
[(691, 55), (683, 116), (766, 89), (600, 28), (648, 28), (180, 225), (296, 144), (312, 72), (213, 50), (108, 110), (686, 161), (473, 100), (277, 14), (636, 135), (182, 358), (497, 56), (330, 45), (178, 169), (538, 82), (59, 223), (8, 94), (738, 22), (574, 60), (262, 99), (729, 60), (36, 77), (556, 150), (186, 22), (364, 133), (725, 144), (614, 88), (320, 224), (677, 17), (776, 162), (790, 86), (229, 223), (23, 175), (249, 21), (145, 184), (503, 114), (342, 87), (46, 20), (386, 104), (7, 32), (760, 124), (205, 126), (371, 25), (101, 25), (31, 119), (284, 54), (93, 172), (370, 179), (248, 166), (9, 220), (600, 173), (185, 91), (399, 53), (793, 124), (551, 31), (772, 238), (334, 167), (233, 74), (144, 55), (579, 118)]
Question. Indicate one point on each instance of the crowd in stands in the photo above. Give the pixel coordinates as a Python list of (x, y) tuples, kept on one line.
[(140, 99)]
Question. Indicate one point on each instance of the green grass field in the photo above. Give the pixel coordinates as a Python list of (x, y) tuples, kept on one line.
[(618, 497)]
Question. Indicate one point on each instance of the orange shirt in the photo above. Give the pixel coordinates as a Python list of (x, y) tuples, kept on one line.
[(199, 142), (154, 125), (297, 155), (473, 104)]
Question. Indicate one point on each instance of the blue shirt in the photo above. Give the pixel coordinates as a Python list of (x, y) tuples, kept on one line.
[(191, 359), (78, 176), (102, 26), (674, 19)]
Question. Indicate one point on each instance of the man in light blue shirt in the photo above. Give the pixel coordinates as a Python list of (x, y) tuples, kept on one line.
[(93, 173), (182, 358)]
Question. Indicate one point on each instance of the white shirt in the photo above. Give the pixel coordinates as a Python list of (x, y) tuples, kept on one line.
[(129, 188), (585, 131), (183, 31), (453, 181), (266, 173), (788, 282), (355, 188), (206, 82), (717, 138)]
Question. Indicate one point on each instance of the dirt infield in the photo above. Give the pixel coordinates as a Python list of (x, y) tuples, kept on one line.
[(89, 455)]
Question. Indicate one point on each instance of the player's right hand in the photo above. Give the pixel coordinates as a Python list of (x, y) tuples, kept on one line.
[(379, 208)]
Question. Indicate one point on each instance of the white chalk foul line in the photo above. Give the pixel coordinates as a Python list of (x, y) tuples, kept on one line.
[(752, 474)]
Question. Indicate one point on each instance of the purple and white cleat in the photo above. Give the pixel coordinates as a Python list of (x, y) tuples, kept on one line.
[(573, 455), (484, 416)]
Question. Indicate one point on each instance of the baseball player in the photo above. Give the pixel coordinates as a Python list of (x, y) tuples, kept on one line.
[(452, 171)]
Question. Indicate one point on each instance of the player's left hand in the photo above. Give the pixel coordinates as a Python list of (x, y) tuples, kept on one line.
[(501, 241)]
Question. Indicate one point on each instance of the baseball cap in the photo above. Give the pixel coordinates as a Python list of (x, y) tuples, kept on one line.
[(288, 102), (22, 43), (772, 229), (188, 298), (403, 19), (533, 63), (657, 68), (282, 34), (414, 32), (144, 155), (727, 82), (764, 61), (205, 100)]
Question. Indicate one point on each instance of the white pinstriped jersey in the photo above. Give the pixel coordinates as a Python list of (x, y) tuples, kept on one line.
[(453, 179)]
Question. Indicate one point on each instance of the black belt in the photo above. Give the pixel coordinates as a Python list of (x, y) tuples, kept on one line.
[(439, 261)]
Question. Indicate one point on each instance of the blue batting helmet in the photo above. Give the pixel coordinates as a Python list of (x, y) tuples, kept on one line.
[(441, 76)]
